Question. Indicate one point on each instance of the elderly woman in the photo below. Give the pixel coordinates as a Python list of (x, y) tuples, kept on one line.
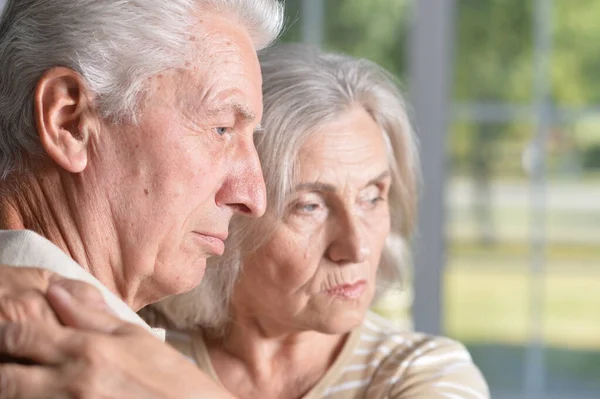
[(340, 163)]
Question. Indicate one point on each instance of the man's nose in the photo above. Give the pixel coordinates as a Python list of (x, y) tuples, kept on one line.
[(244, 190)]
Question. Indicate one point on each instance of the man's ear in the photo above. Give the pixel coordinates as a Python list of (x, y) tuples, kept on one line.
[(64, 117)]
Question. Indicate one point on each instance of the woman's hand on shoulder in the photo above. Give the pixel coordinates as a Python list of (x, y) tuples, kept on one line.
[(103, 357)]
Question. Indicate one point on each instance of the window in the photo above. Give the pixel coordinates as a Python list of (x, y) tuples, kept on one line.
[(516, 236)]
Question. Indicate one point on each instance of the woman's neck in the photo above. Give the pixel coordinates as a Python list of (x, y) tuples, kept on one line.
[(254, 360)]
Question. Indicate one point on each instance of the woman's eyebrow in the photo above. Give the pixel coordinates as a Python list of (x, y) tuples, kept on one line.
[(315, 186), (380, 177), (318, 186)]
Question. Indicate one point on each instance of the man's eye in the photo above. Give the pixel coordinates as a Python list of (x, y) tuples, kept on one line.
[(221, 130)]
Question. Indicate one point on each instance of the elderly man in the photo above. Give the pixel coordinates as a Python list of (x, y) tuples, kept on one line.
[(125, 148)]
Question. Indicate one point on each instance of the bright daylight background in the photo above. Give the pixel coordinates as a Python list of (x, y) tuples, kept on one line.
[(506, 96)]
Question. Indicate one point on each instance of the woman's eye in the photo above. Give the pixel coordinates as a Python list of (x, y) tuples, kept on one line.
[(307, 207), (374, 201), (221, 130)]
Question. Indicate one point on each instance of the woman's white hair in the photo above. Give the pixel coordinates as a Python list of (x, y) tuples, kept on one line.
[(304, 89), (115, 45)]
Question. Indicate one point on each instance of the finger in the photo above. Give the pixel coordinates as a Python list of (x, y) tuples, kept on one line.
[(16, 279), (31, 342), (82, 292), (30, 305), (27, 382), (79, 315)]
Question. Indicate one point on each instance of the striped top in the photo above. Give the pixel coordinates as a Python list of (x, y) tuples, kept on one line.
[(378, 361)]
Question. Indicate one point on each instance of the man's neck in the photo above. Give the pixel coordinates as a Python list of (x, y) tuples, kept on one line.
[(47, 203)]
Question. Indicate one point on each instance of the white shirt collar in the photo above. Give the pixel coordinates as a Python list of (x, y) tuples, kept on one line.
[(25, 248)]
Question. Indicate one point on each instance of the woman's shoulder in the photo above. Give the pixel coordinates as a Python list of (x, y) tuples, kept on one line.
[(412, 363), (183, 342), (378, 332)]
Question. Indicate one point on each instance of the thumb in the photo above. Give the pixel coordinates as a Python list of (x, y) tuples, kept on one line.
[(84, 314)]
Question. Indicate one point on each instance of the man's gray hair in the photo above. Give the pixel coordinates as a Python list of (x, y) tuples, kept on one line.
[(304, 89), (114, 45)]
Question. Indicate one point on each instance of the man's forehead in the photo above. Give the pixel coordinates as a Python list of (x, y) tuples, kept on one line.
[(220, 35), (226, 70)]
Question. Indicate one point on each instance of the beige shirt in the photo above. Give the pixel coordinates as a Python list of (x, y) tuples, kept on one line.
[(24, 248), (378, 362)]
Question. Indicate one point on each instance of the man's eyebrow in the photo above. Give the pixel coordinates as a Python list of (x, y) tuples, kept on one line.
[(246, 114), (242, 112)]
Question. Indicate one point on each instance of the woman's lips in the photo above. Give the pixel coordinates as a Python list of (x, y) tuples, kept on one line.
[(348, 291)]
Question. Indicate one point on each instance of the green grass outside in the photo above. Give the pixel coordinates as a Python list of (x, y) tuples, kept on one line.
[(493, 306)]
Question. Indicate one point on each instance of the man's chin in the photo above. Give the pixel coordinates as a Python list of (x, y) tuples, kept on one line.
[(193, 277), (177, 279)]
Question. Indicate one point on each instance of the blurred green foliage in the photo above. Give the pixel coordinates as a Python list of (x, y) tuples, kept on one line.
[(493, 64)]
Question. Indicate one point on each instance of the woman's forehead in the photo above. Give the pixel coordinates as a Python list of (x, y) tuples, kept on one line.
[(352, 145)]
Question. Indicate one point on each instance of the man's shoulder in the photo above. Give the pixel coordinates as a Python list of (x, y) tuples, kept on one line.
[(26, 248)]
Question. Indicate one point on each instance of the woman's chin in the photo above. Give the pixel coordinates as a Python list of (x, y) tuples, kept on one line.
[(341, 314), (344, 322)]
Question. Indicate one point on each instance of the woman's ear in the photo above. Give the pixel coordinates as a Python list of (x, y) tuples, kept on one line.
[(63, 117)]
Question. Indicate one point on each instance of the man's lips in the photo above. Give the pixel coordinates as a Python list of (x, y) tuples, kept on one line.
[(213, 243)]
